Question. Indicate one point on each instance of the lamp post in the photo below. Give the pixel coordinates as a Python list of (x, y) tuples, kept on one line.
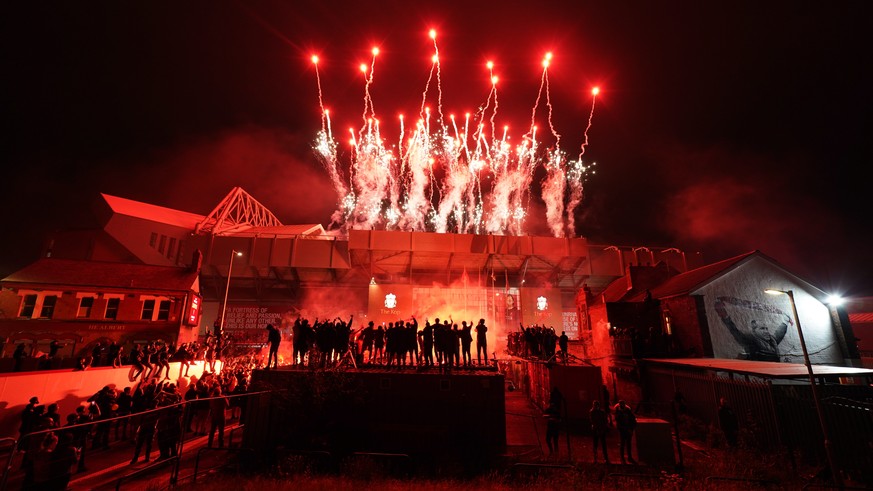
[(815, 397), (233, 253)]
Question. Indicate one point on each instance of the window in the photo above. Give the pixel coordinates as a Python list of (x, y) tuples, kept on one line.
[(85, 304), (48, 307), (112, 308), (180, 251), (148, 310), (164, 310), (27, 306), (153, 239), (171, 247), (162, 245)]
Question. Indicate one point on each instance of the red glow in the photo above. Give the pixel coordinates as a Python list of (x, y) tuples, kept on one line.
[(315, 59)]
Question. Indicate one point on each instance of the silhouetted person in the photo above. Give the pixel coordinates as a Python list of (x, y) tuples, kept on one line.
[(563, 344), (481, 341), (54, 347), (60, 465), (19, 355), (599, 428), (145, 434), (217, 406), (274, 337), (728, 421), (626, 422), (553, 427)]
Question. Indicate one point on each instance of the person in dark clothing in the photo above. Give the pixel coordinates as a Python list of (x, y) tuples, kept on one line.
[(481, 341), (426, 336), (28, 418), (113, 355), (105, 401), (599, 428), (466, 342), (368, 336), (553, 428), (125, 406), (727, 419), (52, 412), (81, 433), (169, 425), (61, 462), (274, 337), (145, 434), (19, 355), (54, 347), (626, 422), (563, 344), (217, 407), (97, 355)]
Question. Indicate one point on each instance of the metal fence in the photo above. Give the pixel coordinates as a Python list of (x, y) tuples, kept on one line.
[(174, 458), (774, 416)]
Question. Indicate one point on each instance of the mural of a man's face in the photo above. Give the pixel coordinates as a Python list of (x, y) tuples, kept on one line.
[(760, 330)]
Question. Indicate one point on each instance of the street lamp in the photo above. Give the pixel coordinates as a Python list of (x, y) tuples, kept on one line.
[(233, 253), (815, 397)]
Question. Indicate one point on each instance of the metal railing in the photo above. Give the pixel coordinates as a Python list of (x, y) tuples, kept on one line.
[(181, 410), (148, 470)]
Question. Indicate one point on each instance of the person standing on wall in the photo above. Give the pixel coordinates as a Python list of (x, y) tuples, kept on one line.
[(481, 341), (274, 337)]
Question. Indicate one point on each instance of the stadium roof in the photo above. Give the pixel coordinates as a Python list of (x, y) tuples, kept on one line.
[(151, 212), (68, 272)]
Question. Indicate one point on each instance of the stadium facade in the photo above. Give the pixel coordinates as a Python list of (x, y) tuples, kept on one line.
[(285, 270)]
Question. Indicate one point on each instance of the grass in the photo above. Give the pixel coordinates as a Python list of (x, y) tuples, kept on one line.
[(716, 470)]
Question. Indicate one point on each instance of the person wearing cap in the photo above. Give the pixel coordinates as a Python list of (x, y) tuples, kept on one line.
[(27, 417)]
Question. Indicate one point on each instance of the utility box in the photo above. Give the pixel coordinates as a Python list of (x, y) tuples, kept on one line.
[(655, 442)]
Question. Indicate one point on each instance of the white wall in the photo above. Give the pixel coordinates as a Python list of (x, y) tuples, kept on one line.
[(741, 293)]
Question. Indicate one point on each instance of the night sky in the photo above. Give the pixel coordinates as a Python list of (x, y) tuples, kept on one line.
[(721, 127)]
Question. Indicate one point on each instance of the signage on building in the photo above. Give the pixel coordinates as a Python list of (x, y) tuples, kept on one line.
[(193, 310)]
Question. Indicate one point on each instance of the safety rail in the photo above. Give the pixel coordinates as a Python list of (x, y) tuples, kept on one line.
[(11, 444), (233, 431), (211, 449), (147, 470)]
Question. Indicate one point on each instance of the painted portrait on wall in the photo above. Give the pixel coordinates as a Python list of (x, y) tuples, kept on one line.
[(757, 328)]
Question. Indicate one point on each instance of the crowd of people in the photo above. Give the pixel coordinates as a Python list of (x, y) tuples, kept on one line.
[(153, 410), (146, 357), (602, 416), (402, 343), (539, 342)]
